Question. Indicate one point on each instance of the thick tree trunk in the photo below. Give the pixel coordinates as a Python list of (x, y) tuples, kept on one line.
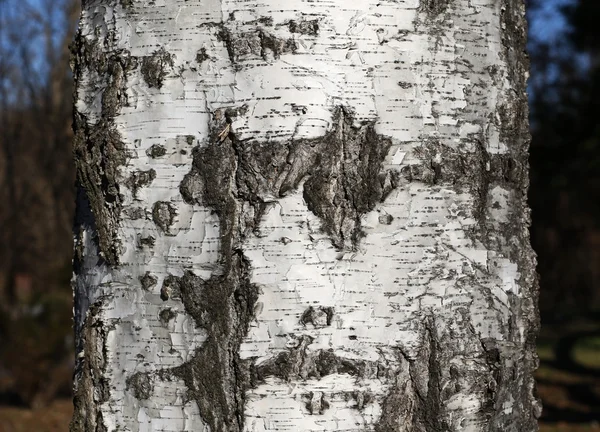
[(300, 216)]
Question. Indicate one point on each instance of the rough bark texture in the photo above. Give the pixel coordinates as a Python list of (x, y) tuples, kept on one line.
[(299, 216)]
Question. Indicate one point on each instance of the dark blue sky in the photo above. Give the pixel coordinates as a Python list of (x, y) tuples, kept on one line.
[(547, 23)]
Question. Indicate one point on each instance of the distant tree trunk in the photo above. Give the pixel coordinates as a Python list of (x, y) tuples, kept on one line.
[(302, 216)]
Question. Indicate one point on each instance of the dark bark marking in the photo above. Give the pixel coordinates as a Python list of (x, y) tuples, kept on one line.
[(191, 188), (127, 4), (190, 139), (347, 181), (433, 8), (148, 281), (264, 20), (139, 179), (300, 363), (224, 306), (166, 315), (343, 171), (99, 153), (155, 67), (163, 214), (362, 398), (465, 167), (98, 148), (305, 27), (319, 317), (415, 398), (156, 151), (140, 385), (147, 241), (91, 387), (202, 56), (430, 410), (386, 219), (258, 43), (171, 288)]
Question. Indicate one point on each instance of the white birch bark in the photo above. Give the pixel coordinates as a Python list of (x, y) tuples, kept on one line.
[(303, 215)]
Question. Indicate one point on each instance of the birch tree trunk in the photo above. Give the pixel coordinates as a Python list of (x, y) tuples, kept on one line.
[(303, 215)]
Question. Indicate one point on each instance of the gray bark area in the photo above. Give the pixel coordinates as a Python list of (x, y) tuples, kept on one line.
[(342, 176)]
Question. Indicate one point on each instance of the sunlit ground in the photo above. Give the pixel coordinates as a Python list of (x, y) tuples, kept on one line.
[(570, 391), (53, 418)]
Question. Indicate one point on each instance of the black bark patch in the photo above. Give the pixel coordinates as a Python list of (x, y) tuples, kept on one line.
[(300, 363), (127, 4), (156, 151), (166, 315), (255, 43), (224, 306), (347, 180), (306, 27), (163, 214), (433, 8), (148, 281), (264, 20), (442, 164), (192, 188), (385, 219), (139, 179), (156, 67), (171, 288), (202, 56), (147, 241), (140, 385), (343, 171), (319, 317), (431, 413)]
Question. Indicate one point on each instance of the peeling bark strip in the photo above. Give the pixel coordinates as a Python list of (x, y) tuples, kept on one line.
[(303, 216), (98, 147)]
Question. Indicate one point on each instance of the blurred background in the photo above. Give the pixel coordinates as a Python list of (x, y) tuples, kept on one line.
[(37, 206)]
